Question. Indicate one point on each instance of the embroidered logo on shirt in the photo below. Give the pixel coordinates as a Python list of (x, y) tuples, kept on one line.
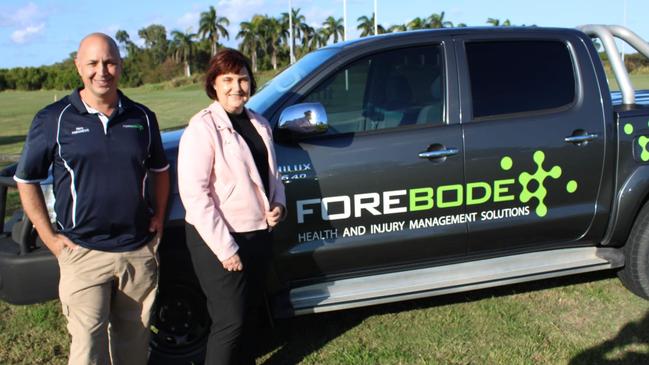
[(80, 130), (137, 126)]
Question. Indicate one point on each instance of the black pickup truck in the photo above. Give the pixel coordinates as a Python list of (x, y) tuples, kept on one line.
[(419, 164)]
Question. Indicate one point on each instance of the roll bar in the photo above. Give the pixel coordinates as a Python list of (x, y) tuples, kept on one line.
[(606, 33)]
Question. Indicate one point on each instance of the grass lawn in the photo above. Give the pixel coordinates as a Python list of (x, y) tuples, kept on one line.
[(581, 320)]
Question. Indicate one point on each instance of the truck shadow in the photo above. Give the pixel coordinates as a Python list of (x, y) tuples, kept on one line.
[(290, 341), (622, 349)]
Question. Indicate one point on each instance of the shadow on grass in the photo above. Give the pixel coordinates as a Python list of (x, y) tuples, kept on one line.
[(622, 349), (294, 339)]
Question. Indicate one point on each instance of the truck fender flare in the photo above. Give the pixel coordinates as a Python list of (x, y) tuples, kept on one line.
[(629, 200)]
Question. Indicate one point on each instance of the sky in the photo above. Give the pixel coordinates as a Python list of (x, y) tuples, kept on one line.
[(42, 32)]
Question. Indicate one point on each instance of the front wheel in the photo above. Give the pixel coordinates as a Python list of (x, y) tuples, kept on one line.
[(635, 273), (180, 325)]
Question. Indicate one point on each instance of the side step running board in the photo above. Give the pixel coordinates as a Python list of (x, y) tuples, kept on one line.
[(420, 283)]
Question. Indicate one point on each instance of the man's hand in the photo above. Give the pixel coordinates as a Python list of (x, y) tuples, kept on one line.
[(274, 215), (156, 224), (33, 202), (58, 242), (233, 263)]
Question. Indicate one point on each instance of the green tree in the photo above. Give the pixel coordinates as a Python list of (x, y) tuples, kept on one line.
[(333, 27), (298, 23), (312, 39), (366, 26), (124, 39), (397, 28), (182, 46), (251, 40), (437, 21), (416, 23), (496, 22), (272, 35), (155, 40), (4, 85), (211, 26)]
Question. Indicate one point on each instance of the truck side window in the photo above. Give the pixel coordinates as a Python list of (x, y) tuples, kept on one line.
[(386, 90), (519, 76)]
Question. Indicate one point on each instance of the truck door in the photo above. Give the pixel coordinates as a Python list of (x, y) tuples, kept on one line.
[(534, 131), (356, 195)]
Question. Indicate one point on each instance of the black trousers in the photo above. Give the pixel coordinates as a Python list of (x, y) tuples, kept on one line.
[(235, 299)]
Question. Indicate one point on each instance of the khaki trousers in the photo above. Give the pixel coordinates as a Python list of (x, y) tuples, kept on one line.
[(107, 299)]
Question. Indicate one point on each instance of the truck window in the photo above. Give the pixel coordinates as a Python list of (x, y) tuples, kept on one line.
[(385, 90), (519, 76)]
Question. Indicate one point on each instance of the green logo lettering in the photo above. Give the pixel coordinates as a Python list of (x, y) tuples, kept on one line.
[(441, 200), (471, 188), (500, 190), (421, 199)]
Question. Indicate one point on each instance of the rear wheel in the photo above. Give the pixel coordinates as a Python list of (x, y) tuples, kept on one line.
[(635, 274)]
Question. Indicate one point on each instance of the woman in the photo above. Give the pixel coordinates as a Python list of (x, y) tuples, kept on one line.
[(233, 197)]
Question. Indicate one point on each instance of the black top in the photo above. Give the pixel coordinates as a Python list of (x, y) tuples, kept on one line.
[(99, 175), (243, 126)]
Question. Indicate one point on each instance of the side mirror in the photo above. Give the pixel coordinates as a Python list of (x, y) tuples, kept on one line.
[(304, 119)]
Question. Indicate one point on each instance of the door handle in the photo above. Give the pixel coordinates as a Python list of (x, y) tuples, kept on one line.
[(440, 153), (581, 139)]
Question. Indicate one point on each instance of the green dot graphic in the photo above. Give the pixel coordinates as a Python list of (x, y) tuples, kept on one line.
[(539, 176), (644, 155), (628, 128), (506, 163), (571, 187)]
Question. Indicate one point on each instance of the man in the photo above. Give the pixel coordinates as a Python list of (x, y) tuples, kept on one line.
[(101, 146)]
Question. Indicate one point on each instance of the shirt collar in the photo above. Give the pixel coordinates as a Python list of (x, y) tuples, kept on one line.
[(75, 99), (92, 110)]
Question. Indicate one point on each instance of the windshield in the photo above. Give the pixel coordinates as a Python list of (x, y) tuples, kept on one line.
[(277, 86)]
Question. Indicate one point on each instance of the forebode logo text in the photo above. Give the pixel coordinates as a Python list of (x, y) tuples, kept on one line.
[(445, 196), (401, 201)]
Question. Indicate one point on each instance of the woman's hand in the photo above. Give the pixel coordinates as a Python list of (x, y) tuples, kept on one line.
[(233, 263), (274, 215)]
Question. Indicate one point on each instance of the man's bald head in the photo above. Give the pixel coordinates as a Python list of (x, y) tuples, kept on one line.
[(98, 37), (100, 66)]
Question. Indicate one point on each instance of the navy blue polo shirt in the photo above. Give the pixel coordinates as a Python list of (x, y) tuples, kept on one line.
[(99, 173)]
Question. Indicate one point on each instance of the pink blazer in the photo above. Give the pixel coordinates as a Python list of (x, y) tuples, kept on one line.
[(218, 181)]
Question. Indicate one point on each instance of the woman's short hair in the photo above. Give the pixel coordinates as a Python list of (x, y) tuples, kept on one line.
[(227, 60)]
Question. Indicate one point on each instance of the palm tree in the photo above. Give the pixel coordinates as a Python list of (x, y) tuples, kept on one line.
[(125, 40), (182, 46), (416, 23), (313, 39), (333, 27), (437, 21), (298, 23), (272, 34), (155, 40), (496, 22), (397, 28), (251, 38), (366, 26), (211, 25)]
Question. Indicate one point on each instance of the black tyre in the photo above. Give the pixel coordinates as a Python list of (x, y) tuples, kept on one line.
[(180, 323), (635, 273)]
